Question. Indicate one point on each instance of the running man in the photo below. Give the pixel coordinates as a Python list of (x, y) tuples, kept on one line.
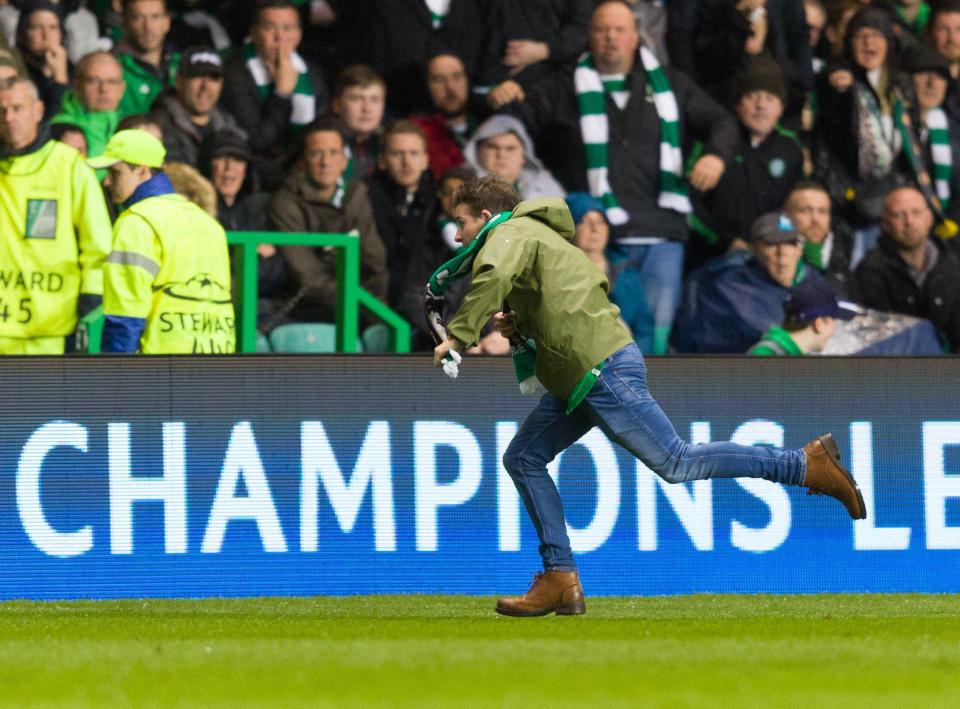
[(594, 375)]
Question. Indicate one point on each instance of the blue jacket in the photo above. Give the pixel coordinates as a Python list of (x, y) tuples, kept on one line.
[(729, 303)]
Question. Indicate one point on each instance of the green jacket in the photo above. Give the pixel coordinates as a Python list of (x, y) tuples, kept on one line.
[(776, 342), (558, 296), (97, 126), (143, 83)]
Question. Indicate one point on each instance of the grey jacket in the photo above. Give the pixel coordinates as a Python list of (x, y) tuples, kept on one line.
[(535, 180), (180, 136)]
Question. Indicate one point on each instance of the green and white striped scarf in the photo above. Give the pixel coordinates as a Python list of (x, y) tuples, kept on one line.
[(941, 153), (304, 103), (595, 130), (438, 11)]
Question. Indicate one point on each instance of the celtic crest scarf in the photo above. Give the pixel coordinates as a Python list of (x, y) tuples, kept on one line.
[(304, 103), (595, 131)]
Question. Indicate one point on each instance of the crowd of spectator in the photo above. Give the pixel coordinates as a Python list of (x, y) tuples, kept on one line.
[(714, 154)]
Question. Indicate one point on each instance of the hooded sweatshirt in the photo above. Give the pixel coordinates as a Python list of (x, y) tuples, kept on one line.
[(558, 296), (535, 180)]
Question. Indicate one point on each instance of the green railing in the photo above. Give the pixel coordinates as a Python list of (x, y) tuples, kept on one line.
[(350, 295)]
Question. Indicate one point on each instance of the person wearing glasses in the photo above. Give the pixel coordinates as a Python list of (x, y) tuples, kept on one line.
[(94, 101)]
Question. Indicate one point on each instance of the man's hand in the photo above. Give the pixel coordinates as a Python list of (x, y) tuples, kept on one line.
[(507, 92), (521, 53), (505, 324), (440, 350), (841, 79), (706, 173), (281, 70), (55, 64)]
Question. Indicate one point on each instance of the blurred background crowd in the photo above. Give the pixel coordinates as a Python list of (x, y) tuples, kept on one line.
[(715, 154)]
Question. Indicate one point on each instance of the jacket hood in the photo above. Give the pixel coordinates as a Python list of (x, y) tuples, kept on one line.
[(497, 125), (552, 211)]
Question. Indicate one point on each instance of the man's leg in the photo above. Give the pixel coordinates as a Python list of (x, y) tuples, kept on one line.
[(546, 432), (621, 405)]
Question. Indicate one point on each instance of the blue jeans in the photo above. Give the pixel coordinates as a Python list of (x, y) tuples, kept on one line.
[(660, 269), (621, 405)]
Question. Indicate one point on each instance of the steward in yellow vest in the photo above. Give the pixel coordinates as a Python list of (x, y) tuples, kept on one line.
[(167, 279), (54, 230)]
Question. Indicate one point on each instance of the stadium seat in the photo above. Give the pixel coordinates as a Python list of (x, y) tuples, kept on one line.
[(304, 337), (263, 344), (376, 338)]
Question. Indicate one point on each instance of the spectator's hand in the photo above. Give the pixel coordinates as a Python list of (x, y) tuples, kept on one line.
[(504, 324), (283, 74), (841, 79), (706, 173), (495, 344), (440, 350), (507, 92), (266, 250), (750, 5), (55, 64), (521, 53)]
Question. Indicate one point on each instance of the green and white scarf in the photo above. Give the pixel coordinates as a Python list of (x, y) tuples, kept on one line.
[(524, 352), (304, 103), (595, 130), (942, 155), (438, 11)]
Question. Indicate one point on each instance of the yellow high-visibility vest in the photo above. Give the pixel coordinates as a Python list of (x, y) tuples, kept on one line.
[(54, 236), (170, 267)]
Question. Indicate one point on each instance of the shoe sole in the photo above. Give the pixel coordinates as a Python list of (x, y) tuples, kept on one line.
[(562, 609), (833, 452)]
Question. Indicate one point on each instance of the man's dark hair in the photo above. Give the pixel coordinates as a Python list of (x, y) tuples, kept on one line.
[(488, 192), (274, 5), (357, 75), (327, 123), (793, 325), (58, 130), (127, 4), (942, 8)]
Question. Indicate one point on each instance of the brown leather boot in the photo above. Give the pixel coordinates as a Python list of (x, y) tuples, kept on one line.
[(825, 476), (551, 592)]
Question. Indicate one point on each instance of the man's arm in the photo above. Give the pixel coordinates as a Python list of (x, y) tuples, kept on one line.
[(499, 263), (313, 275), (94, 231), (128, 277), (374, 275)]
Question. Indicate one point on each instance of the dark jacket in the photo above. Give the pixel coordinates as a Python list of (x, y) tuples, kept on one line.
[(696, 25), (48, 90), (273, 139), (728, 305), (296, 206), (886, 284), (414, 245), (552, 116), (561, 24), (402, 39), (182, 137), (838, 271), (755, 182)]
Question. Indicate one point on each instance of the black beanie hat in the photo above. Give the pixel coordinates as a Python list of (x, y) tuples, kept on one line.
[(761, 75)]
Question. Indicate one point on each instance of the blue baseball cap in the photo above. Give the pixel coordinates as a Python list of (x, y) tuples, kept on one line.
[(809, 300)]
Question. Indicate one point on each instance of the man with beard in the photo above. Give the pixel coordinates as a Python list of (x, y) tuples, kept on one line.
[(190, 116), (147, 67), (451, 127)]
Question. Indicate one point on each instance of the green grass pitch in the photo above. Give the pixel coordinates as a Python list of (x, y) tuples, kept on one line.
[(453, 651)]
